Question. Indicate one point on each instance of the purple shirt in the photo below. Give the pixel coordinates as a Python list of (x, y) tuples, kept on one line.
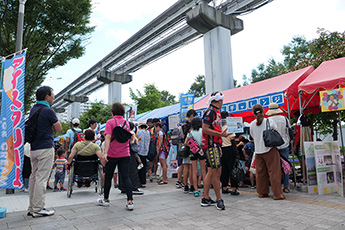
[(117, 149)]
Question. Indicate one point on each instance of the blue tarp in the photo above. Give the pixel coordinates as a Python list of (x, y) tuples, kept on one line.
[(163, 113)]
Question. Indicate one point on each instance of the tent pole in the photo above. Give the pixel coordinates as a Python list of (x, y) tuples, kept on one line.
[(341, 133), (291, 146), (301, 141)]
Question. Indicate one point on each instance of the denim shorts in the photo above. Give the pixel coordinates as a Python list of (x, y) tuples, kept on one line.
[(59, 177)]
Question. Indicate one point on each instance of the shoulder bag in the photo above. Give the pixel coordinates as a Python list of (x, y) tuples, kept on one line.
[(271, 137)]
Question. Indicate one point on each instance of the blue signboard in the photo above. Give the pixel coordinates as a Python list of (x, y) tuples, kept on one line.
[(187, 103)]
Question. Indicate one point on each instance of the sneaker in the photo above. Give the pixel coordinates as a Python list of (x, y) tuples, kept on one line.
[(102, 202), (56, 189), (178, 184), (29, 214), (140, 166), (116, 185), (207, 202), (226, 191), (220, 204), (192, 189), (196, 193), (137, 192), (26, 190), (253, 186), (63, 189), (186, 189), (151, 179), (48, 187), (130, 206), (43, 212), (235, 193)]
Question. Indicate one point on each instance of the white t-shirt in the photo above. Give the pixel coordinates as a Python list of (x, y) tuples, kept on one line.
[(281, 128), (257, 134)]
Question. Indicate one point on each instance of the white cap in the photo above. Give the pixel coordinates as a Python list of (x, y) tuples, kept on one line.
[(75, 121)]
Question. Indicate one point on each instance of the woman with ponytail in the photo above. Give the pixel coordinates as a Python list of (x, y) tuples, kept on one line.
[(267, 159)]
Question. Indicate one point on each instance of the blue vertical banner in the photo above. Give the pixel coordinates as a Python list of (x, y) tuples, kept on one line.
[(187, 103), (12, 123)]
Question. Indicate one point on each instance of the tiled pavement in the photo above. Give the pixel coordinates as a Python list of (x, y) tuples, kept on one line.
[(165, 207)]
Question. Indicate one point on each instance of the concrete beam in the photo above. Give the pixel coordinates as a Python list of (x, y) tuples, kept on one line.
[(109, 77), (73, 98), (204, 18)]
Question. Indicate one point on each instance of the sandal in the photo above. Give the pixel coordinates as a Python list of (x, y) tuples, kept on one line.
[(162, 182), (286, 190), (262, 195), (279, 197)]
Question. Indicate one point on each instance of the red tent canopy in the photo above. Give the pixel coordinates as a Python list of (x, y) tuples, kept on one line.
[(282, 89), (329, 75)]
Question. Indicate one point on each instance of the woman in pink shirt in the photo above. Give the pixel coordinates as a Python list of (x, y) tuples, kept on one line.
[(116, 153)]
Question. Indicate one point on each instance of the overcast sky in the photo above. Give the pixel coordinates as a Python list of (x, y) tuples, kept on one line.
[(266, 31)]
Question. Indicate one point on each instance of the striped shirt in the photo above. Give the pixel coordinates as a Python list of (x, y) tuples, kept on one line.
[(60, 165)]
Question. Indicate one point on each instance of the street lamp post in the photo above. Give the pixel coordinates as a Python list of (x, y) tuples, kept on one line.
[(19, 45)]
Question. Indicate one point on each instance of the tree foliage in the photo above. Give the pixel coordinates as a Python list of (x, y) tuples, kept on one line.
[(198, 87), (54, 32), (151, 99), (99, 111), (65, 127)]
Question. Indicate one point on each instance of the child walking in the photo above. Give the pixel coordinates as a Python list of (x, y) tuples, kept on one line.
[(60, 168)]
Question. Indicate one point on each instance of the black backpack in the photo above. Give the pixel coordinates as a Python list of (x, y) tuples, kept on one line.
[(31, 126), (152, 147), (120, 134)]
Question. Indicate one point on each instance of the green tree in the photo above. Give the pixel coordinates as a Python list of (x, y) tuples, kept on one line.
[(167, 98), (263, 72), (99, 111), (65, 127), (151, 99), (198, 87), (54, 32)]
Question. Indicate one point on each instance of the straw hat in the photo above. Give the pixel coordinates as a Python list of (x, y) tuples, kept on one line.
[(142, 123), (273, 109)]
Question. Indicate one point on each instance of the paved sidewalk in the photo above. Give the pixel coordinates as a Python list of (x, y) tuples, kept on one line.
[(165, 207)]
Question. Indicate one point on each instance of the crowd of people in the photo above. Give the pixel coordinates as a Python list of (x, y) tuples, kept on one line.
[(208, 156)]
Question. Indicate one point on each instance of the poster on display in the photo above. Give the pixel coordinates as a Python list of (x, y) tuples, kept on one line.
[(311, 168), (328, 167), (131, 112), (172, 160), (187, 103), (332, 100), (173, 120), (12, 123), (235, 124)]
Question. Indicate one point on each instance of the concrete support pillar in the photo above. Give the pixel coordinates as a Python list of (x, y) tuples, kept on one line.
[(114, 92), (218, 60), (75, 109)]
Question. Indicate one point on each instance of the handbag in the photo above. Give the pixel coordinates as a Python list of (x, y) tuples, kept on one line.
[(237, 173), (183, 151), (286, 166), (193, 145), (271, 137)]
